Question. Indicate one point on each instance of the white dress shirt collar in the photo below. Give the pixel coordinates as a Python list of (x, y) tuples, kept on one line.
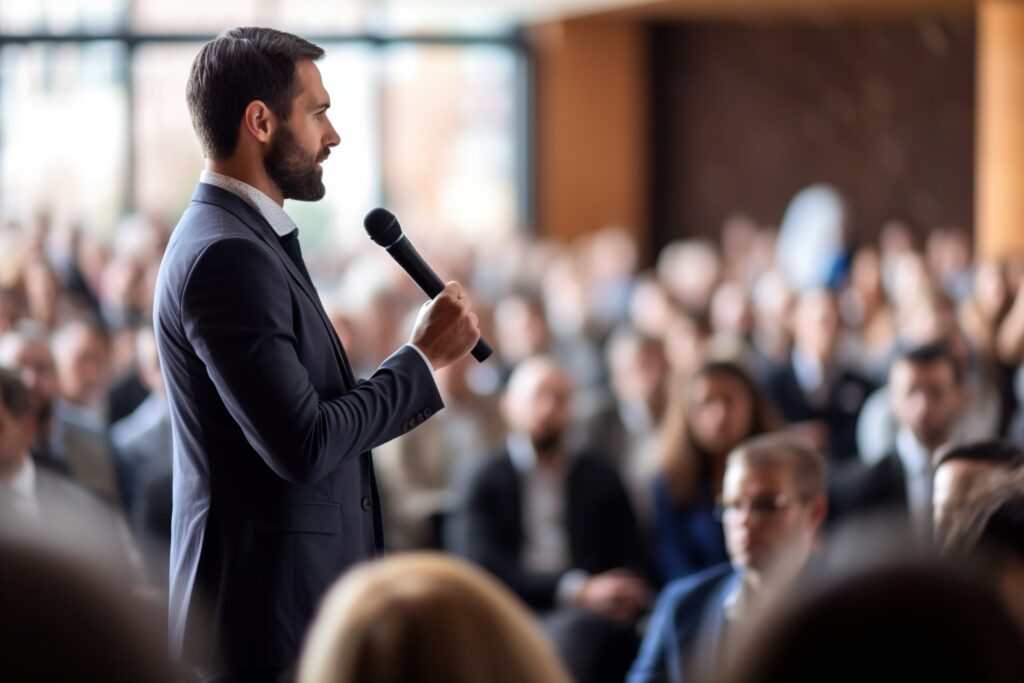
[(811, 375), (521, 452), (21, 491), (23, 485), (916, 460), (261, 203)]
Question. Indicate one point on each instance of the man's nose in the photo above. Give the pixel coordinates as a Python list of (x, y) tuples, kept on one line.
[(333, 139)]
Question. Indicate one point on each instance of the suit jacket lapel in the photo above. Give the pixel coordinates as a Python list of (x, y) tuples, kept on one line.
[(209, 194)]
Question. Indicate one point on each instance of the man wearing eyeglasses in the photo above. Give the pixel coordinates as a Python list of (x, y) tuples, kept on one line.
[(773, 503)]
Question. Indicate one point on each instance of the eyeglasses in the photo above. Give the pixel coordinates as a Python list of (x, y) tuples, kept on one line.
[(762, 506)]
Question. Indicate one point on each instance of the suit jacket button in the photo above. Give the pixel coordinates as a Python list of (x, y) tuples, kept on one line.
[(428, 412), (367, 504)]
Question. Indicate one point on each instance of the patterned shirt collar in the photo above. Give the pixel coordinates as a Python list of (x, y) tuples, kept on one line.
[(261, 203)]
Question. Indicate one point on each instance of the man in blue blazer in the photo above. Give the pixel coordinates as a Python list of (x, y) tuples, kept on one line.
[(274, 491), (773, 503)]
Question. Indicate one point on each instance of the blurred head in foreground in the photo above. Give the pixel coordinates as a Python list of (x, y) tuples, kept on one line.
[(429, 618), (900, 622), (59, 622)]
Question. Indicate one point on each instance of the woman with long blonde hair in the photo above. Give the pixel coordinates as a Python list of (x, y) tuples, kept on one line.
[(425, 618)]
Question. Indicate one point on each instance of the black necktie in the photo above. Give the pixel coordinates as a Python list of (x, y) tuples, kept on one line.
[(290, 242)]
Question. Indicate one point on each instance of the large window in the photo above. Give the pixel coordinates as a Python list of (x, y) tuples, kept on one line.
[(93, 120), (62, 120)]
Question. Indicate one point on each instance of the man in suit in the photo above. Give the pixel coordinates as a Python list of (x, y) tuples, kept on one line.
[(816, 389), (628, 426), (926, 387), (44, 507), (773, 502), (557, 527), (274, 489), (67, 440)]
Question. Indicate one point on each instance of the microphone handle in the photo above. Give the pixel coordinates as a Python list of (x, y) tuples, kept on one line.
[(424, 276)]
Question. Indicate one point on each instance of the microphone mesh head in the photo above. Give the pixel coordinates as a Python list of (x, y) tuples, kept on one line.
[(382, 227)]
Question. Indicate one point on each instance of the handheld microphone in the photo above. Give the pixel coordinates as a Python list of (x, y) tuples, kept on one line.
[(383, 228)]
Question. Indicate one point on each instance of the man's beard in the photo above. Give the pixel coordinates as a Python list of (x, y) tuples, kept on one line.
[(294, 173), (547, 441)]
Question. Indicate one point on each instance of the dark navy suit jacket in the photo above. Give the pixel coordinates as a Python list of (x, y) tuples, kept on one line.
[(274, 491), (681, 642), (600, 526)]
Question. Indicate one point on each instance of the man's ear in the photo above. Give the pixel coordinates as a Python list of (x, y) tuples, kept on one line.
[(818, 510), (259, 121)]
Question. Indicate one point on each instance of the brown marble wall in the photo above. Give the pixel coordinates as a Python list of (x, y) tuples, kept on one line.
[(743, 116)]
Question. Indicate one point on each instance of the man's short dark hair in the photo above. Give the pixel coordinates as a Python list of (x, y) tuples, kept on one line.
[(239, 66), (15, 397), (995, 451), (932, 352)]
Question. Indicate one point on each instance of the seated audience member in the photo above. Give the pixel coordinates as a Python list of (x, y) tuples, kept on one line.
[(417, 470), (143, 446), (772, 301), (44, 507), (816, 388), (773, 502), (961, 470), (61, 622), (64, 441), (556, 526), (929, 320), (429, 618), (910, 622), (712, 413), (926, 388), (626, 428), (81, 351)]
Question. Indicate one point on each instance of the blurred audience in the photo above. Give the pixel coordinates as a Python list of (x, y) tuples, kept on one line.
[(610, 455), (66, 438), (627, 426), (143, 447), (418, 473), (556, 526), (40, 506)]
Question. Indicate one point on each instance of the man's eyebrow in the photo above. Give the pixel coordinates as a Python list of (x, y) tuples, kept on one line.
[(322, 106)]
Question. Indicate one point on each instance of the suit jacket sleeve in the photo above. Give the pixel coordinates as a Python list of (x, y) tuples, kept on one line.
[(650, 665), (237, 313)]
